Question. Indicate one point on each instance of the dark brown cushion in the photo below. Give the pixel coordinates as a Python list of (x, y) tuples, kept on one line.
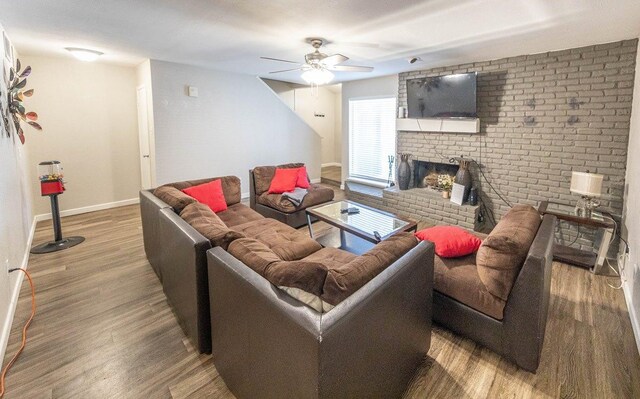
[(458, 278), (207, 223), (263, 175), (503, 252), (343, 280), (230, 187), (331, 257), (316, 195), (304, 275), (237, 214), (285, 241), (173, 197)]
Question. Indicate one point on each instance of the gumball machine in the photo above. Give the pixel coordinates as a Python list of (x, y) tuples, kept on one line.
[(51, 177), (50, 174)]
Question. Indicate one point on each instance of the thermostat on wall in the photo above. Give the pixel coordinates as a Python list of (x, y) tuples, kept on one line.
[(193, 91)]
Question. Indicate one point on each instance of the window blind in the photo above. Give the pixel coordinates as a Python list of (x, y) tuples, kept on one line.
[(372, 137)]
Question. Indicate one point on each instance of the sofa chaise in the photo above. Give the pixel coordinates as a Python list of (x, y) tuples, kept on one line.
[(499, 296)]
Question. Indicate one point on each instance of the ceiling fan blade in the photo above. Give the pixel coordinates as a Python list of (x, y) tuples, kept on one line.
[(287, 70), (350, 68), (334, 59), (278, 59)]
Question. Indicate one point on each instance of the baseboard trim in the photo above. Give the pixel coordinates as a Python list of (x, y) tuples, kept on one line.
[(325, 165), (15, 293), (244, 196), (315, 181), (635, 322), (91, 208)]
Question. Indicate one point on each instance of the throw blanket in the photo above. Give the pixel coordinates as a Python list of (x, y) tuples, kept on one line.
[(296, 196)]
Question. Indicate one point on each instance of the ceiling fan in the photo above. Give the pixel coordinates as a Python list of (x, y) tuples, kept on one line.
[(318, 66)]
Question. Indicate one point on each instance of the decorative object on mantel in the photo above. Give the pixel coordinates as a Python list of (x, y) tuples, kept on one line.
[(445, 182), (457, 193), (402, 112), (589, 186), (404, 172), (15, 96), (473, 196), (392, 160), (463, 176)]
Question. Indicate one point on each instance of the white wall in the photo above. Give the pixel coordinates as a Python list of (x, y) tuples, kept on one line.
[(632, 211), (366, 88), (236, 123), (89, 119), (15, 214), (310, 105)]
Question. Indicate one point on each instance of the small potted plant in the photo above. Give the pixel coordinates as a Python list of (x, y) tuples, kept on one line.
[(445, 182)]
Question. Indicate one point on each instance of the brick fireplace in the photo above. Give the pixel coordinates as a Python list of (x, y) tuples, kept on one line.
[(542, 116)]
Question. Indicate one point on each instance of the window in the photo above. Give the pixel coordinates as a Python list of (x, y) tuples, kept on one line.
[(372, 137)]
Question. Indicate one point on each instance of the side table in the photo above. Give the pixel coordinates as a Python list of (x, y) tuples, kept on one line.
[(594, 261)]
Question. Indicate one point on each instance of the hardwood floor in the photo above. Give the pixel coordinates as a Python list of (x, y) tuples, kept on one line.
[(332, 175), (104, 330)]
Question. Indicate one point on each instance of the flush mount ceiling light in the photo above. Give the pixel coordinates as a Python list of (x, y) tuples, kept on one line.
[(84, 54)]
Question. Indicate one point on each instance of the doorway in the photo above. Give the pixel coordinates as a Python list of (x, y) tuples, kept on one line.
[(144, 133)]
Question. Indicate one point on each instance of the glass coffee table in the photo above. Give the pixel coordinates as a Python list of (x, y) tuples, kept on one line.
[(358, 231)]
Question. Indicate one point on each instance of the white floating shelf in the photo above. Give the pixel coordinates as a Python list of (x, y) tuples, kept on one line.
[(438, 125)]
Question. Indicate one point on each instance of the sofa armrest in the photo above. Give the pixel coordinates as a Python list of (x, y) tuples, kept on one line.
[(378, 336), (385, 325), (252, 190), (150, 206), (525, 314), (184, 276), (261, 337)]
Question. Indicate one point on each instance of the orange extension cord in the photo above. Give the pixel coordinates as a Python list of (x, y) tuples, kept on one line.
[(24, 333)]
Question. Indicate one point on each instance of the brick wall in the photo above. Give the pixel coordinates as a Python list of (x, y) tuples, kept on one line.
[(541, 116)]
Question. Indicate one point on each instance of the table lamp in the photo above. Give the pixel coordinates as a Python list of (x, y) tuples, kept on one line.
[(589, 186)]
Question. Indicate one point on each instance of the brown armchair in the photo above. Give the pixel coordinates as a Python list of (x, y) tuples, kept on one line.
[(273, 205)]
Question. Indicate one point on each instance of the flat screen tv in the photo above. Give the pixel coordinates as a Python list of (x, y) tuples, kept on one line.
[(450, 96)]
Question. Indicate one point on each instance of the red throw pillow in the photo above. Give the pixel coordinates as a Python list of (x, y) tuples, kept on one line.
[(284, 181), (450, 241), (209, 194), (303, 181)]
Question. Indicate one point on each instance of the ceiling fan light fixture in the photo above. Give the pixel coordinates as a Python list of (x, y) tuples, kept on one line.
[(84, 54), (317, 76)]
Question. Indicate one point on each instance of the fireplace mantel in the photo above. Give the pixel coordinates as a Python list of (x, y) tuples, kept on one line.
[(443, 125)]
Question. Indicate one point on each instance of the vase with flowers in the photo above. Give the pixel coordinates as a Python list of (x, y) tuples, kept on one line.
[(445, 182)]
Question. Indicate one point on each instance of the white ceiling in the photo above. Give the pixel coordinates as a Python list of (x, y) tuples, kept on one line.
[(232, 34)]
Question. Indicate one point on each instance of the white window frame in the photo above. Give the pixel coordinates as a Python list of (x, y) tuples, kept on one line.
[(378, 181)]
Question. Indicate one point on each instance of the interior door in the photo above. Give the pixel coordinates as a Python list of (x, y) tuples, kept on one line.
[(143, 137)]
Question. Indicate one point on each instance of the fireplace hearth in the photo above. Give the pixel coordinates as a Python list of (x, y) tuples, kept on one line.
[(425, 173)]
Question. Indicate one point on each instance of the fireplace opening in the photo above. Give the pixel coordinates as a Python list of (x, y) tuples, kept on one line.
[(425, 173)]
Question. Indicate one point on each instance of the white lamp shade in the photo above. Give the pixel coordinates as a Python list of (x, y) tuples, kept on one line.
[(317, 76), (588, 184)]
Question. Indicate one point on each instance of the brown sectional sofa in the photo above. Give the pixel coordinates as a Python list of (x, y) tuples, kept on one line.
[(372, 315), (273, 205), (499, 296)]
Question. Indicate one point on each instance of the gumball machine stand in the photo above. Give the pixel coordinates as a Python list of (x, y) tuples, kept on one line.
[(52, 185)]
